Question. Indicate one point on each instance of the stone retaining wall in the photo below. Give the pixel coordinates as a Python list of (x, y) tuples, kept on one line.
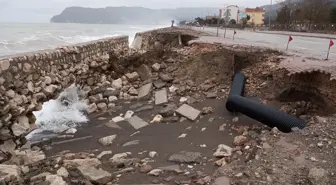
[(28, 80), (166, 37)]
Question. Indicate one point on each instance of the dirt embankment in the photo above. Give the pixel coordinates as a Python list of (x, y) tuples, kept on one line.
[(200, 71)]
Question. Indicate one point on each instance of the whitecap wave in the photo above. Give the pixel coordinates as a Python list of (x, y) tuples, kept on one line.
[(67, 111), (83, 38)]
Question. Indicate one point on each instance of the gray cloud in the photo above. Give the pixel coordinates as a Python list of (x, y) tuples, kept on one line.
[(43, 10)]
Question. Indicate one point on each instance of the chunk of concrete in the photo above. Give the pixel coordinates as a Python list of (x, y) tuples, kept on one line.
[(55, 180), (186, 157), (159, 84), (95, 175), (145, 90), (222, 181), (9, 172), (161, 97), (137, 42), (188, 112), (137, 122)]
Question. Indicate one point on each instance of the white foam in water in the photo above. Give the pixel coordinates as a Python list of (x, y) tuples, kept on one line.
[(61, 114)]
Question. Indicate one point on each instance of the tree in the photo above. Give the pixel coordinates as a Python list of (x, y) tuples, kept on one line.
[(333, 15), (200, 21), (245, 20), (283, 15), (232, 21), (182, 22), (316, 10)]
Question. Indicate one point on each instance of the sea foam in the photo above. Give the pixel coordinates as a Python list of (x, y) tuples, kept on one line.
[(67, 111)]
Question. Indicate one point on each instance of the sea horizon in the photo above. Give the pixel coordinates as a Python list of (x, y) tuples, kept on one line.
[(20, 38)]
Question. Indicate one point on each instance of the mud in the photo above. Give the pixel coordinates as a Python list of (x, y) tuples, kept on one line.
[(201, 74)]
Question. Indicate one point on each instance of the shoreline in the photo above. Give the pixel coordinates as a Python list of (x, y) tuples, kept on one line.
[(152, 123)]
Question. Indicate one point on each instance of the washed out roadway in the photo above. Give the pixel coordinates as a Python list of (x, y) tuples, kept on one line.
[(159, 137)]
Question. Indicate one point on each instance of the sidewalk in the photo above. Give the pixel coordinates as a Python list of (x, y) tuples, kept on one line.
[(302, 34)]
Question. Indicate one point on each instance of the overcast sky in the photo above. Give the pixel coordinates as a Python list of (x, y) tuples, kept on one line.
[(43, 10)]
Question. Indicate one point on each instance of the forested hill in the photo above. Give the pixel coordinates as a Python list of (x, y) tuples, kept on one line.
[(129, 15)]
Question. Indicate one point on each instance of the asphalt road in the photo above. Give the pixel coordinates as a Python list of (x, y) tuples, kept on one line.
[(300, 45)]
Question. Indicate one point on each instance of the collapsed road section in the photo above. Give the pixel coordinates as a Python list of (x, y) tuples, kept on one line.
[(156, 115)]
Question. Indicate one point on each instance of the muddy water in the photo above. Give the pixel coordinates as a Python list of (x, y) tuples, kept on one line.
[(161, 137)]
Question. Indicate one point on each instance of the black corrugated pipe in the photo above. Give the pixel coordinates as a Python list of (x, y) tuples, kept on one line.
[(264, 114), (237, 87)]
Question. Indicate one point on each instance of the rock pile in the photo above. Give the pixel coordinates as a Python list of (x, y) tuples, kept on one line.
[(28, 80)]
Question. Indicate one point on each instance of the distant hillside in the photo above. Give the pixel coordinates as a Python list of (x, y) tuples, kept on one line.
[(129, 15)]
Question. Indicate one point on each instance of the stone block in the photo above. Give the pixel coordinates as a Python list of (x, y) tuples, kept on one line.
[(161, 97), (188, 112), (144, 72), (145, 90), (137, 122), (137, 42)]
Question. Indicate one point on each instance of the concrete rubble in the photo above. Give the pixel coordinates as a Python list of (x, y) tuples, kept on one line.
[(188, 112), (148, 90)]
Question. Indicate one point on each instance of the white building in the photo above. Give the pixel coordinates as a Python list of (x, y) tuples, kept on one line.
[(229, 13)]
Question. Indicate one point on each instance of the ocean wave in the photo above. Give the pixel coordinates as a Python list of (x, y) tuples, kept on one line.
[(48, 36), (56, 116), (82, 38)]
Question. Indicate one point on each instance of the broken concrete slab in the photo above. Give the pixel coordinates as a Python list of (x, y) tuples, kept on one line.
[(144, 108), (95, 175), (108, 140), (186, 157), (172, 168), (161, 97), (188, 112), (118, 119), (159, 84), (137, 122), (168, 110), (144, 91)]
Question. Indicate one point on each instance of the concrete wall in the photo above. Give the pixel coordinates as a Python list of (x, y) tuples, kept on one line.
[(27, 80)]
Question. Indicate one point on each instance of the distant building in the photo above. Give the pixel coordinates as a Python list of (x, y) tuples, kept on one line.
[(229, 13), (257, 15)]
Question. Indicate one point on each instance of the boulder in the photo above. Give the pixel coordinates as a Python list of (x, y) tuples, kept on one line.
[(223, 151), (9, 172), (63, 172), (240, 140), (8, 147), (93, 162), (166, 77), (117, 84), (55, 180), (50, 89), (108, 140), (144, 72), (132, 91), (10, 93), (132, 76), (95, 175), (102, 106), (91, 108), (156, 67)]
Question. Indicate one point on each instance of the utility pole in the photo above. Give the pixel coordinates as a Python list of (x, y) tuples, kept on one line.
[(269, 16), (226, 19)]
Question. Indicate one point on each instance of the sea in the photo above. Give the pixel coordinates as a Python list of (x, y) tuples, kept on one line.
[(26, 37), (56, 117)]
